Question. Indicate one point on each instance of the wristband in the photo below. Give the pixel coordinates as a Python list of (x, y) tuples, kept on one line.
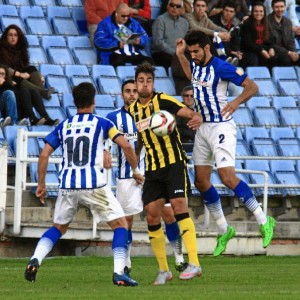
[(136, 171)]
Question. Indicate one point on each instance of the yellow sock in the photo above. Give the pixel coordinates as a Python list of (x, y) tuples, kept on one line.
[(188, 233), (158, 244)]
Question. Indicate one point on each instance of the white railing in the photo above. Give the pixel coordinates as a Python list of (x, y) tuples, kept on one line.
[(21, 183)]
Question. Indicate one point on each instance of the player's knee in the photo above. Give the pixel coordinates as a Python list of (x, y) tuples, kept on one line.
[(202, 185), (230, 181)]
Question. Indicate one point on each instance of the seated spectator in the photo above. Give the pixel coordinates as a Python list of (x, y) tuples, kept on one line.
[(283, 35), (116, 50), (242, 9), (166, 29), (187, 7), (187, 135), (291, 13), (256, 39), (25, 99), (141, 11), (198, 20), (96, 11), (14, 54), (226, 19)]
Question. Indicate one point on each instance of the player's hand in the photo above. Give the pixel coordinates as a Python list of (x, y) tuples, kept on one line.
[(137, 41), (180, 47), (106, 159), (229, 109), (139, 178), (41, 192), (225, 36), (195, 122)]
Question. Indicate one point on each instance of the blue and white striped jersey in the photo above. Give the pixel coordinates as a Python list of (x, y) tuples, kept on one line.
[(126, 125), (210, 83), (81, 138)]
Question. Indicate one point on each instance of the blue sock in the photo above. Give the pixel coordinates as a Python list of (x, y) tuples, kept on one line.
[(119, 248), (172, 231), (211, 195), (129, 236), (244, 193), (52, 234)]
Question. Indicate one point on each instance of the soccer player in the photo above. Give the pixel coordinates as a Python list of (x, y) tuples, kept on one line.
[(81, 180), (166, 178), (128, 193), (215, 141)]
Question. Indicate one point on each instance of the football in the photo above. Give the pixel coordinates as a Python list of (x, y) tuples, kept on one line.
[(162, 123)]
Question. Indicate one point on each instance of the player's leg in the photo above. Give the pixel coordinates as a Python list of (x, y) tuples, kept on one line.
[(129, 220), (174, 236)]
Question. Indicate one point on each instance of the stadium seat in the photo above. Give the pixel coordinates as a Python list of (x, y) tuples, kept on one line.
[(56, 153), (18, 3), (52, 41), (9, 20), (242, 148), (79, 17), (289, 146), (289, 87), (239, 134), (234, 90), (266, 116), (71, 70), (258, 101), (288, 177), (290, 116), (10, 135), (160, 72), (119, 101), (106, 70), (298, 132), (255, 132), (37, 55), (109, 85), (103, 111), (30, 11), (47, 69), (85, 56), (61, 83), (70, 3), (67, 100), (243, 117), (282, 165), (125, 72), (71, 111), (266, 87), (8, 10), (56, 113), (53, 102), (215, 179), (57, 11), (78, 41), (32, 40), (281, 132), (38, 26), (264, 147), (104, 101), (64, 26), (258, 73), (77, 79), (164, 85), (43, 3), (279, 73), (283, 101), (60, 56), (155, 8)]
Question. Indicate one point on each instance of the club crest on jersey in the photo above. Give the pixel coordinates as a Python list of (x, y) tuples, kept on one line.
[(200, 82), (143, 124), (240, 72)]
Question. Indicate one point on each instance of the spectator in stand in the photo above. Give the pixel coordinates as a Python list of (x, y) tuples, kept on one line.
[(187, 135), (256, 39), (282, 31), (141, 11), (242, 9), (198, 20), (118, 51), (227, 19), (166, 29), (186, 8), (96, 11), (14, 54), (291, 13)]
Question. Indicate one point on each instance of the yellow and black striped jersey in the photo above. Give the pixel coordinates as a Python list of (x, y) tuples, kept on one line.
[(160, 151)]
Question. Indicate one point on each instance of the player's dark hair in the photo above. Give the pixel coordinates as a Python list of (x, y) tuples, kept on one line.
[(196, 37), (126, 82), (276, 1), (84, 94), (145, 67), (230, 4)]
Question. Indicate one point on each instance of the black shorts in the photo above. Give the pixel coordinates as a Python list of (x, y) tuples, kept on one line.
[(169, 183)]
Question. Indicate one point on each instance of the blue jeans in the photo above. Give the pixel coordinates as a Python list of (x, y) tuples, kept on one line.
[(8, 100)]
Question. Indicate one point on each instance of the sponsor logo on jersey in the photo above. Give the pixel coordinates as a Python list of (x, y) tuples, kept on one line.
[(143, 124)]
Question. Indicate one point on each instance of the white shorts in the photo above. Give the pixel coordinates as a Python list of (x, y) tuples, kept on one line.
[(101, 201), (215, 143), (129, 194)]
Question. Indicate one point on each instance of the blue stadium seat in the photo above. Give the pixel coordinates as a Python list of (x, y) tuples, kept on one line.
[(282, 165), (279, 73), (289, 146), (243, 117), (67, 100), (18, 3), (85, 56), (298, 132), (255, 132), (53, 102), (239, 134), (160, 72), (8, 10), (41, 128), (289, 87), (57, 11), (164, 85), (281, 132), (258, 101), (258, 72), (266, 87), (30, 11), (234, 90), (288, 177), (109, 85), (78, 16), (47, 69), (155, 8), (78, 41), (242, 148), (70, 3), (56, 113), (64, 26), (52, 41), (61, 83), (71, 70), (60, 56), (9, 20), (215, 179), (125, 72), (283, 101), (71, 111), (103, 111), (10, 135), (77, 79), (104, 101), (264, 147), (37, 55), (43, 3), (106, 70), (119, 101), (32, 40), (39, 26), (266, 116), (290, 116)]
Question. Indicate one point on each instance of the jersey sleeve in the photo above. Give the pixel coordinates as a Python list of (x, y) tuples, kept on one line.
[(53, 138), (230, 73), (110, 130), (170, 104)]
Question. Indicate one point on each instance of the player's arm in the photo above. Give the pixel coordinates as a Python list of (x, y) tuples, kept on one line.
[(139, 145), (195, 119), (250, 89), (185, 64), (131, 157), (42, 169)]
